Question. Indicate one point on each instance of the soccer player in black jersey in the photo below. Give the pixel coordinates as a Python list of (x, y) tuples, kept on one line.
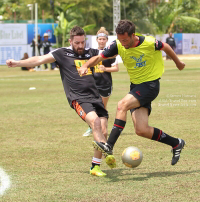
[(142, 57), (81, 91), (102, 72)]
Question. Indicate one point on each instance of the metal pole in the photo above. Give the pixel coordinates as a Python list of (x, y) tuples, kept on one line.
[(116, 14), (36, 30)]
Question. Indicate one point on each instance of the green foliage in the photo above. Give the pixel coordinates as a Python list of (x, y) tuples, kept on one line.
[(187, 25), (66, 21), (137, 11), (168, 16), (62, 30), (148, 16)]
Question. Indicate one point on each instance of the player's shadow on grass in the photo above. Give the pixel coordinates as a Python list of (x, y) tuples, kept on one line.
[(116, 175)]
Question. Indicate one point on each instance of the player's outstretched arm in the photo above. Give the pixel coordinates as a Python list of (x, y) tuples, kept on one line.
[(31, 62), (170, 52)]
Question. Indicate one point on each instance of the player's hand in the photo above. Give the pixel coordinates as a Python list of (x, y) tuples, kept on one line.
[(180, 65), (102, 68), (11, 63), (83, 70)]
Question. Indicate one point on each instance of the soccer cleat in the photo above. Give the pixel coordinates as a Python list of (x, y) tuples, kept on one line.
[(88, 132), (110, 161), (103, 147), (177, 151), (97, 171)]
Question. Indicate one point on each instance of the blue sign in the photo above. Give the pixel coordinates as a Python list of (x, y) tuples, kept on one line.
[(179, 41), (42, 28)]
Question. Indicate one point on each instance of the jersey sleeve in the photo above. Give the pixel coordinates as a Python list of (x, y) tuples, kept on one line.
[(56, 53), (158, 45), (110, 50)]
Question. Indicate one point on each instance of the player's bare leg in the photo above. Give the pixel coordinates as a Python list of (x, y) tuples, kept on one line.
[(140, 120), (128, 102), (95, 123), (105, 101), (123, 106)]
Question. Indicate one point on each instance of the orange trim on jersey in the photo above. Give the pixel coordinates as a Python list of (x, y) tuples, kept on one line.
[(79, 110)]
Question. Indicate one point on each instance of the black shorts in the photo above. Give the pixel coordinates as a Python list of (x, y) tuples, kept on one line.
[(84, 108), (105, 92), (145, 92)]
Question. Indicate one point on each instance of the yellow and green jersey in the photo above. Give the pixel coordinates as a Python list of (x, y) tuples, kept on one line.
[(143, 63)]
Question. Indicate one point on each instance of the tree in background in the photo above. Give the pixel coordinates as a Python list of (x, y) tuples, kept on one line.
[(149, 16), (174, 16), (138, 12)]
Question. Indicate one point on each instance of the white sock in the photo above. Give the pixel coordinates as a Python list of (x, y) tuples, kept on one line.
[(96, 161)]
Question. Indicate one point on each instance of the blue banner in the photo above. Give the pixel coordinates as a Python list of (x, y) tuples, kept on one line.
[(179, 43), (42, 28)]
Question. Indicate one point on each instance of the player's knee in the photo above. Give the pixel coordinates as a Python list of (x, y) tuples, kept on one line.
[(97, 121), (121, 106), (140, 131)]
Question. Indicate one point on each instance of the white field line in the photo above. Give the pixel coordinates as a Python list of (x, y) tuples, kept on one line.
[(4, 182)]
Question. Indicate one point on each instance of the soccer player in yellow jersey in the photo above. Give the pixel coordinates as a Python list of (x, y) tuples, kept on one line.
[(142, 57)]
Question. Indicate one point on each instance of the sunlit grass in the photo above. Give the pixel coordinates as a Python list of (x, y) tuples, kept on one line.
[(47, 159)]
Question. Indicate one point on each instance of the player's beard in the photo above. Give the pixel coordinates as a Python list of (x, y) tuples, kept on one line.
[(78, 51), (130, 44)]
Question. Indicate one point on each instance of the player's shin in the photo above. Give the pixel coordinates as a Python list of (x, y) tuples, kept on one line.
[(160, 136)]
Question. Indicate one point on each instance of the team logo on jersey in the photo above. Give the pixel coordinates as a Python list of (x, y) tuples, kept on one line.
[(139, 62), (70, 54), (87, 55), (80, 63), (81, 113)]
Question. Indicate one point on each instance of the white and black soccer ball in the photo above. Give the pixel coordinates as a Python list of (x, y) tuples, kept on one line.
[(132, 157)]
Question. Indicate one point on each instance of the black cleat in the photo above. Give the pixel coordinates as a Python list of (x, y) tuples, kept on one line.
[(177, 151), (103, 147)]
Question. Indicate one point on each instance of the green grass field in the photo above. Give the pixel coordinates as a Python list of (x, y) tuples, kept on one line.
[(47, 159)]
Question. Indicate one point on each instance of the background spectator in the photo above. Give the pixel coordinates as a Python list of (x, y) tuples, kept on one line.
[(46, 46), (39, 45), (171, 42), (26, 68)]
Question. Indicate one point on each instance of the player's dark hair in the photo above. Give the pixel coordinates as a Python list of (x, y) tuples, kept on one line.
[(125, 26), (76, 31)]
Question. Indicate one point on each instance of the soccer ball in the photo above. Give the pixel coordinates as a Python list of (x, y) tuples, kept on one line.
[(132, 157)]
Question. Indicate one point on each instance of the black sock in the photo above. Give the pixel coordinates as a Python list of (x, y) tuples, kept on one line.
[(160, 136), (94, 164), (116, 131)]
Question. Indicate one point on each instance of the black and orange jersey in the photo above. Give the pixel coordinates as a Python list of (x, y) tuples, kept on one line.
[(79, 88)]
